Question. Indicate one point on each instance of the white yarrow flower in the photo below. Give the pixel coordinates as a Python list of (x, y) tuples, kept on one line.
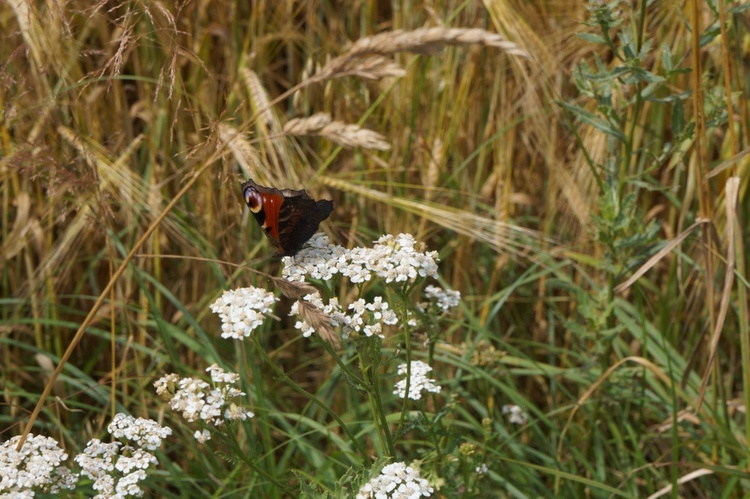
[(443, 298), (198, 400), (202, 436), (517, 416), (360, 316), (418, 381), (117, 468), (38, 466), (242, 310), (144, 433), (396, 481), (392, 258)]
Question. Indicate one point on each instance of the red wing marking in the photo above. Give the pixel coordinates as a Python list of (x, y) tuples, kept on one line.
[(271, 208)]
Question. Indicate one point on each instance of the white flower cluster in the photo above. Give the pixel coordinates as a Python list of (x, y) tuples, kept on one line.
[(198, 400), (242, 310), (396, 481), (100, 460), (115, 468), (363, 317), (145, 433), (517, 416), (443, 298), (418, 381), (38, 465), (392, 258)]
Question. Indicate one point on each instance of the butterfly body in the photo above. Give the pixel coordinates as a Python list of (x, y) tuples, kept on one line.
[(288, 218)]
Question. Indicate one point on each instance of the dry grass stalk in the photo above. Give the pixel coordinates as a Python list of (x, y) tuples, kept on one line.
[(502, 236), (259, 97), (25, 224), (658, 256), (421, 41), (373, 67), (347, 135), (431, 176), (320, 322), (295, 290), (431, 41), (243, 152), (281, 156)]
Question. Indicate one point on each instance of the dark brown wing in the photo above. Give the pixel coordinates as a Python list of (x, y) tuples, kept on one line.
[(299, 219)]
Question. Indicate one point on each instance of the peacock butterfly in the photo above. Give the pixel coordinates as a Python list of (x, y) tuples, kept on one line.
[(288, 218)]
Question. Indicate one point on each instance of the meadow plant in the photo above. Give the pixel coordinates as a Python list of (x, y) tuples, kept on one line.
[(396, 480), (418, 382), (37, 467), (116, 468), (384, 308), (197, 400)]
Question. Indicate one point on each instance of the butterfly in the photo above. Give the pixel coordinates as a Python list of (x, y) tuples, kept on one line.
[(288, 218)]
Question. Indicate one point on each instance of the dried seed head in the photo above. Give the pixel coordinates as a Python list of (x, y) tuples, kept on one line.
[(347, 135)]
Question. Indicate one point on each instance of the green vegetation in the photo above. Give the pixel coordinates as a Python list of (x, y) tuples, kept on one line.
[(579, 168)]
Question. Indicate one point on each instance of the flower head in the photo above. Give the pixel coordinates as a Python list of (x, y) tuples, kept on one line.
[(396, 480), (144, 433), (360, 317), (199, 400), (242, 310), (444, 299), (418, 381), (517, 416), (117, 468), (37, 466), (392, 258)]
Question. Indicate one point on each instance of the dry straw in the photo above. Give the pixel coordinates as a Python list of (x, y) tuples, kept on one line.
[(245, 154), (420, 41), (319, 321), (259, 98), (344, 134)]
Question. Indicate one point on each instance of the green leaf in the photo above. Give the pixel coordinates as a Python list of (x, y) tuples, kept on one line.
[(593, 120), (647, 76), (666, 57), (678, 118), (593, 38)]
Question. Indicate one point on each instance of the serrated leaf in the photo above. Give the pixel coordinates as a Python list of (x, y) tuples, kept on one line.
[(593, 38), (647, 76), (616, 72), (593, 120)]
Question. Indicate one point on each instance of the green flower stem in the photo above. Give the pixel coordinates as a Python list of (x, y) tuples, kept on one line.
[(407, 340), (344, 368), (378, 414), (310, 397), (370, 385), (232, 442), (260, 399)]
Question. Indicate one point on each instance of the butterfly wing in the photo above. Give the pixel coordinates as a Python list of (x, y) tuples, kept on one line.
[(289, 218), (299, 218)]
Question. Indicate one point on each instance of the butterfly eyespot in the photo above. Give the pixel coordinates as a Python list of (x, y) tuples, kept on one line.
[(253, 199)]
